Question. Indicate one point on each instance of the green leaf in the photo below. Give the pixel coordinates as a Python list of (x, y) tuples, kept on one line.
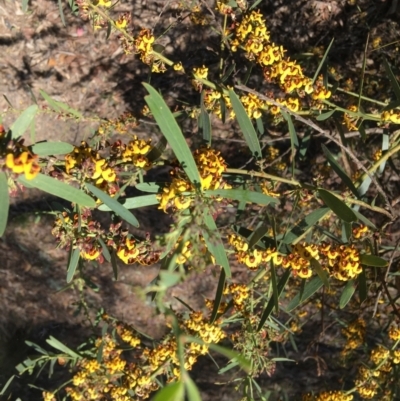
[(204, 121), (322, 61), (4, 389), (373, 260), (364, 220), (320, 271), (243, 362), (114, 264), (61, 347), (258, 234), (384, 148), (214, 243), (170, 129), (270, 306), (246, 125), (171, 392), (75, 255), (60, 9), (158, 149), (347, 293), (59, 107), (58, 188), (363, 188), (243, 195), (218, 295), (310, 289), (134, 203), (152, 187), (169, 279), (392, 79), (337, 206), (23, 121), (305, 225), (275, 290), (325, 116), (106, 252), (4, 202), (113, 204), (339, 171), (193, 393), (294, 141), (362, 286), (25, 6), (52, 148)]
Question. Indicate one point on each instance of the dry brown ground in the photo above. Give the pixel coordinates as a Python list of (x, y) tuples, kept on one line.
[(91, 74)]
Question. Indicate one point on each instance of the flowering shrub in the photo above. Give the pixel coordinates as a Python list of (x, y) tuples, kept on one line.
[(304, 244)]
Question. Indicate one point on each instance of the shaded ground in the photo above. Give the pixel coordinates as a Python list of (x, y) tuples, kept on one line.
[(92, 75)]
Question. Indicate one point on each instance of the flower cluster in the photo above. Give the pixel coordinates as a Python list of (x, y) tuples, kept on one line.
[(85, 163), (252, 258), (210, 165), (391, 116), (369, 381), (355, 335), (113, 378), (328, 396), (212, 102), (350, 120), (144, 47), (16, 158), (240, 293), (119, 125), (84, 233), (341, 261)]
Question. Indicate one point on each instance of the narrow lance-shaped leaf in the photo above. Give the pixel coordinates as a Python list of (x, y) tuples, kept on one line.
[(275, 290), (52, 148), (58, 188), (170, 129), (246, 126), (135, 203), (113, 204), (373, 260), (310, 289), (294, 141), (193, 393), (4, 202), (60, 106), (214, 243), (392, 78), (243, 195), (75, 255), (322, 61), (347, 293), (218, 295), (61, 347), (320, 271), (22, 123), (339, 171), (152, 187), (204, 121), (337, 206), (171, 392), (362, 286), (298, 231), (270, 306)]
